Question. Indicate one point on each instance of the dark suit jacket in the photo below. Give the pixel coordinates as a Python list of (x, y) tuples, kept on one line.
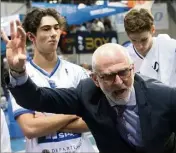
[(156, 104)]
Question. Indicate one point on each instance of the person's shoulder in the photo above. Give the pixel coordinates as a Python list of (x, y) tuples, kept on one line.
[(164, 37), (151, 84), (165, 40), (87, 81), (130, 48), (156, 93), (88, 85), (131, 51), (70, 65), (76, 69)]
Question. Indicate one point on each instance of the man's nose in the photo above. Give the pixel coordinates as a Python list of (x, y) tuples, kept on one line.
[(139, 45), (54, 32), (118, 80)]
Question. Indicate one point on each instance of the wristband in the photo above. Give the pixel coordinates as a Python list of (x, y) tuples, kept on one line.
[(19, 72), (16, 73)]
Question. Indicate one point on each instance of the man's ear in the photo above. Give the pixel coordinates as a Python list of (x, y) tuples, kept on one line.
[(94, 78), (153, 29), (132, 66), (31, 37)]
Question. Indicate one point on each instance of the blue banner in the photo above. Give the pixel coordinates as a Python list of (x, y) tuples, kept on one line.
[(92, 12), (75, 16), (63, 9)]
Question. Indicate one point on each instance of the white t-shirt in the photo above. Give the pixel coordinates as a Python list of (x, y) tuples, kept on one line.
[(160, 61), (64, 75), (5, 137), (137, 57)]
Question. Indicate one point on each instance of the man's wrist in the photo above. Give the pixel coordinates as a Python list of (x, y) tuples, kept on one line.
[(16, 73), (16, 79)]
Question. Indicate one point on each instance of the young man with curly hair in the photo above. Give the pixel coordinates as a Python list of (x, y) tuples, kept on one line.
[(47, 132)]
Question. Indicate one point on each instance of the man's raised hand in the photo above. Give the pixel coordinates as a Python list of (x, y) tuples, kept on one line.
[(16, 47)]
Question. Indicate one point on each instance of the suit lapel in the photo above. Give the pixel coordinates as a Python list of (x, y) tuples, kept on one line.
[(105, 111), (144, 110)]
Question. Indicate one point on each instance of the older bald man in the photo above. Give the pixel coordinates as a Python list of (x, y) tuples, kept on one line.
[(125, 112)]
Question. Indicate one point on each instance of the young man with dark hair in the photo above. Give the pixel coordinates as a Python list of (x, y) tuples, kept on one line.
[(45, 131)]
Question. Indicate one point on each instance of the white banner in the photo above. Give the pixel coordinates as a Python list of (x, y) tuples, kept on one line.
[(5, 22), (159, 12)]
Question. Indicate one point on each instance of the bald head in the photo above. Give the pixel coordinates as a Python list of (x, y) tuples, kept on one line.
[(109, 51)]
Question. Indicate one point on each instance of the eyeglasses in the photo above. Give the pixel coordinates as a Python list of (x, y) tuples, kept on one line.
[(110, 78)]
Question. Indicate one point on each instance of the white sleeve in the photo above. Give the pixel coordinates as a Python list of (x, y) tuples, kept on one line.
[(17, 109), (5, 137), (80, 73)]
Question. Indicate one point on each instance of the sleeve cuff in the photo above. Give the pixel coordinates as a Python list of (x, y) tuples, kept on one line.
[(18, 80)]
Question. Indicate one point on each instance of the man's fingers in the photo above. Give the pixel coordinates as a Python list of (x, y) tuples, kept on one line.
[(18, 23), (12, 30), (4, 36), (22, 33)]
